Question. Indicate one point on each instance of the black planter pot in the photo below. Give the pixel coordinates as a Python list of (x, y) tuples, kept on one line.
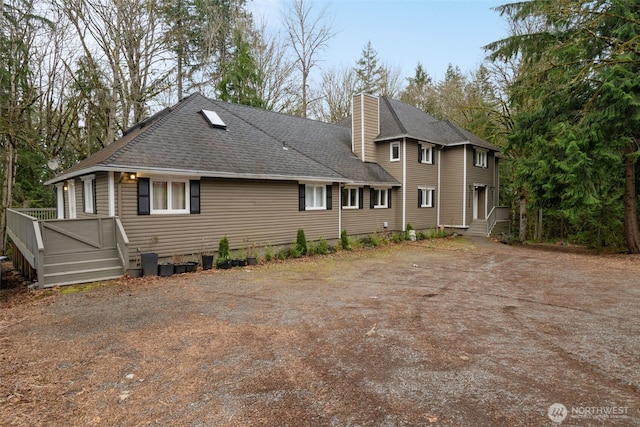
[(242, 262), (225, 264), (179, 268), (252, 260), (165, 270), (207, 262), (149, 263), (235, 262), (192, 267)]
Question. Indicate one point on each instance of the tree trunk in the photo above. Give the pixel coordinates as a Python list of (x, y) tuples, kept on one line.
[(523, 218), (631, 232)]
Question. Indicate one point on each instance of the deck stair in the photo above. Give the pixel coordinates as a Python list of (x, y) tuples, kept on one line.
[(82, 267)]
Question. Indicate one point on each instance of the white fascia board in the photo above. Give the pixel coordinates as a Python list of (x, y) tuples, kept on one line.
[(192, 173)]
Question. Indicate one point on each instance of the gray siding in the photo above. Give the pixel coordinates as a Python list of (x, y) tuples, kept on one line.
[(451, 185), (483, 176), (102, 193), (420, 175), (365, 126), (366, 220), (261, 212)]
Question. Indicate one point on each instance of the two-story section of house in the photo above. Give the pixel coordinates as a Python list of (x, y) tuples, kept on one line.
[(448, 176)]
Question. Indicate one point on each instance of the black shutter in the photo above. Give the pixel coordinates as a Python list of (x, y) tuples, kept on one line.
[(372, 195), (194, 196), (389, 197), (433, 155), (360, 197), (144, 196), (95, 198), (301, 190), (420, 153), (329, 197), (419, 198)]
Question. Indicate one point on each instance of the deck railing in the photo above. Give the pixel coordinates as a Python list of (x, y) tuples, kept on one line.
[(40, 213), (498, 213), (24, 231), (29, 228)]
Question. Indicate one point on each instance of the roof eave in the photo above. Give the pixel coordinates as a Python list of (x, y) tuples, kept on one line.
[(192, 173)]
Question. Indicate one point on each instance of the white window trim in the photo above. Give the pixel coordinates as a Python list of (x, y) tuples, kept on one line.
[(169, 181), (481, 161), (384, 191), (357, 205), (315, 207), (391, 158), (427, 148), (87, 193), (427, 196)]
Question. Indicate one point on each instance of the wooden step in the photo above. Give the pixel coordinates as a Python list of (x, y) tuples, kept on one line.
[(82, 276)]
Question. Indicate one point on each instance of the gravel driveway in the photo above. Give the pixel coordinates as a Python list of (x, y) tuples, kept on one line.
[(448, 332)]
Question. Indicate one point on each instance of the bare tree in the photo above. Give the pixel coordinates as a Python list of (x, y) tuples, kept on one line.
[(335, 93), (269, 51), (307, 36)]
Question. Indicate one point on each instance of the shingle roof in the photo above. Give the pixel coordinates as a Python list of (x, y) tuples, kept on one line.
[(255, 144), (398, 119)]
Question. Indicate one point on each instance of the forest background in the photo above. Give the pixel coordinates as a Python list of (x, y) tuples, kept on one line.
[(560, 94)]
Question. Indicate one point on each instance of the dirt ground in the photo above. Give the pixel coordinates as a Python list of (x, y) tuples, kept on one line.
[(452, 332)]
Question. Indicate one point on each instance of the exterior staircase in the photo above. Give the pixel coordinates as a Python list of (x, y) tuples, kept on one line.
[(82, 267), (478, 227)]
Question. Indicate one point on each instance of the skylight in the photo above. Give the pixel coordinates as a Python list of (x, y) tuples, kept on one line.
[(214, 119)]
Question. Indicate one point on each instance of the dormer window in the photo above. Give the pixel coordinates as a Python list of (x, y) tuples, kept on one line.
[(213, 119)]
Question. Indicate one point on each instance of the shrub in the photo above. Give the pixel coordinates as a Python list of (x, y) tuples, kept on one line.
[(311, 249), (295, 251), (374, 239), (301, 243), (282, 254), (223, 249), (397, 237), (344, 240), (268, 253), (322, 247)]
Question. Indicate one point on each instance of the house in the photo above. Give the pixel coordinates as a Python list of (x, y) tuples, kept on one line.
[(177, 182)]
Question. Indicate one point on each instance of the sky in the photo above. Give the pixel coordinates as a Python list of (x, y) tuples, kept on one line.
[(435, 33)]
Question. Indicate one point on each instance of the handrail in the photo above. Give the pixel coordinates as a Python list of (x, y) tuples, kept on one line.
[(25, 233), (122, 244), (498, 213)]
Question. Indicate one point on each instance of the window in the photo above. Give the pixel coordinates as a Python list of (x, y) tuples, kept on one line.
[(380, 199), (314, 197), (425, 197), (89, 194), (351, 198), (169, 196), (425, 153), (480, 157), (395, 151)]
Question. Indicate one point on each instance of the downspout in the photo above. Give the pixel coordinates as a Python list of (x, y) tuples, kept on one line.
[(404, 183), (362, 128), (340, 209), (464, 187), (438, 207)]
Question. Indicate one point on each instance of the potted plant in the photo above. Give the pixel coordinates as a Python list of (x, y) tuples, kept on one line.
[(242, 257), (224, 256), (149, 260), (165, 269), (207, 261), (251, 258), (179, 266), (192, 266)]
